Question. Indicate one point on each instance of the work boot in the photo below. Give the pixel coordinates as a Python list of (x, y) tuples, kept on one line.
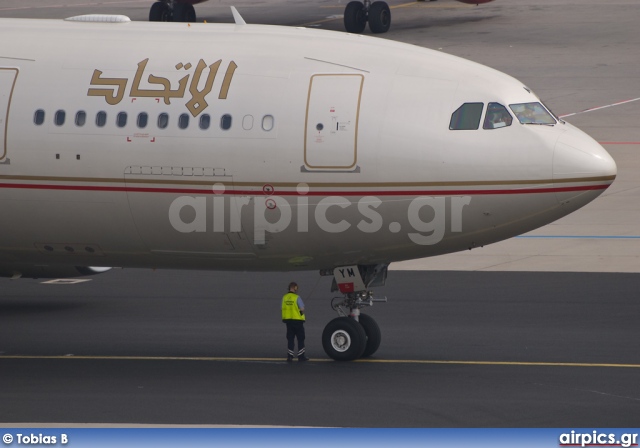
[(303, 358), (289, 358)]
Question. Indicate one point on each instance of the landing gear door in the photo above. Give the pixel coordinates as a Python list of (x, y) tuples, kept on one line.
[(7, 82), (331, 124), (348, 279)]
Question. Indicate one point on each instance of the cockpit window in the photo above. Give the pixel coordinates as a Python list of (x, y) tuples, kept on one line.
[(497, 117), (466, 117), (552, 113), (532, 113)]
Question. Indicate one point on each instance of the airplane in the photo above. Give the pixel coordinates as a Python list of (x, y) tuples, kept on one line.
[(356, 14), (266, 148)]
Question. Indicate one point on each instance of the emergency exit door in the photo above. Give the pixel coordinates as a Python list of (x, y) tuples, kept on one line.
[(7, 82), (331, 124)]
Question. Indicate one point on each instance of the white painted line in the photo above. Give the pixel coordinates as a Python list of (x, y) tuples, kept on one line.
[(66, 281), (601, 107)]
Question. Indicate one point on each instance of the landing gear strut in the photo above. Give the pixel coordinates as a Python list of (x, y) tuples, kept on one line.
[(357, 14), (172, 11), (354, 335)]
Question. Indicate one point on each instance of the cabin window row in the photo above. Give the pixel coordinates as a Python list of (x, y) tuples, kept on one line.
[(468, 116), (162, 122)]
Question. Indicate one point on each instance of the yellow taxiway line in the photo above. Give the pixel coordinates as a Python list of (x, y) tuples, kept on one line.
[(369, 361)]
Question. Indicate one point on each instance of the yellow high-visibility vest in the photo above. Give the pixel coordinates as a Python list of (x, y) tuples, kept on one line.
[(290, 308)]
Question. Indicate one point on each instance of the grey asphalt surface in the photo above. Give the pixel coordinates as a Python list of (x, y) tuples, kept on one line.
[(80, 353), (126, 317)]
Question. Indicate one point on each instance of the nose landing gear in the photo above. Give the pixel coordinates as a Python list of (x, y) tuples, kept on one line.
[(354, 335), (357, 14)]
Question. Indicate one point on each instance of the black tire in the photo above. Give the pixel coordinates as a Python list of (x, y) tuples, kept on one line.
[(374, 336), (160, 12), (184, 12), (379, 17), (355, 17), (344, 339)]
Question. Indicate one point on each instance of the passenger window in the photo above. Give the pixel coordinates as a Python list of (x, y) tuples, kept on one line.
[(81, 118), (247, 122), (163, 120), (59, 118), (142, 120), (183, 121), (467, 117), (225, 122), (101, 119), (121, 119), (267, 122), (532, 113), (497, 117), (38, 117), (205, 121)]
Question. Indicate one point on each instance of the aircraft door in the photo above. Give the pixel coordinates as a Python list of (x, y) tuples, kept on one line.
[(331, 123), (7, 83)]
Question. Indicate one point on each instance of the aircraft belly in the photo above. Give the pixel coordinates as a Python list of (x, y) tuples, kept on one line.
[(184, 215), (342, 230), (50, 226)]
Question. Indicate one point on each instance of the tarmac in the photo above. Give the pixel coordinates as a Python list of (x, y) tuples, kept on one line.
[(459, 349)]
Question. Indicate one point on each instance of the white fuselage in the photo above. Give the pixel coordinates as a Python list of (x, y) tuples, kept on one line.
[(338, 150)]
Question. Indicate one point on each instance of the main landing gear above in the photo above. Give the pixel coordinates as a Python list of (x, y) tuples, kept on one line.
[(354, 335), (172, 11), (357, 14)]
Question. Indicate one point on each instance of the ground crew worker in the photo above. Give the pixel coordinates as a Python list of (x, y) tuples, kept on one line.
[(293, 316)]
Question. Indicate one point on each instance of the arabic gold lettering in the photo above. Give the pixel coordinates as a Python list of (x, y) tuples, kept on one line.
[(198, 103), (165, 92), (135, 88), (112, 96), (227, 80)]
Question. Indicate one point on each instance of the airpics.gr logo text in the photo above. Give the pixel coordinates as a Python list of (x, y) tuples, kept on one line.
[(207, 214), (596, 438)]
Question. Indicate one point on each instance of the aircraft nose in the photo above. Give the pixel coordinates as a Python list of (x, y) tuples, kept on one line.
[(580, 164)]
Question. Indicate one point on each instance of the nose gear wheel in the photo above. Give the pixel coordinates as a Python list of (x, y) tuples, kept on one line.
[(374, 335), (344, 339)]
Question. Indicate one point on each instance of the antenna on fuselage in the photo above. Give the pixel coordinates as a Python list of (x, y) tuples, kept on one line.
[(237, 17)]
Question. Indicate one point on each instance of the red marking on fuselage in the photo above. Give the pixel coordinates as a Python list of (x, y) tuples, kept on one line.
[(258, 192)]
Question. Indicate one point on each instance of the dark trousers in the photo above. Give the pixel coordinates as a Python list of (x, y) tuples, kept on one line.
[(295, 329)]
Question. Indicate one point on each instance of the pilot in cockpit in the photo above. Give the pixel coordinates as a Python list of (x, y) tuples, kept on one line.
[(497, 117)]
